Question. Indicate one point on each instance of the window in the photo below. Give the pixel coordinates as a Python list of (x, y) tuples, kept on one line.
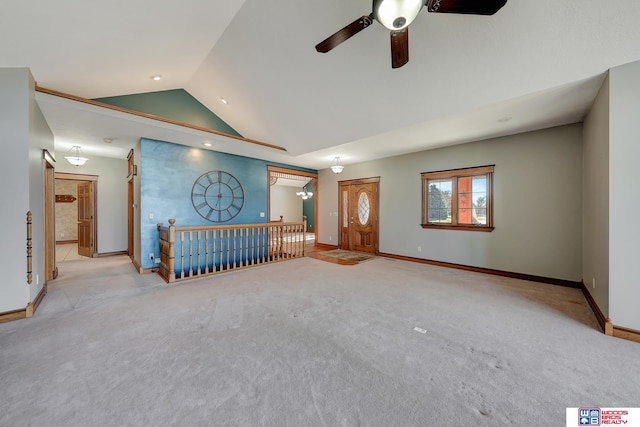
[(459, 199)]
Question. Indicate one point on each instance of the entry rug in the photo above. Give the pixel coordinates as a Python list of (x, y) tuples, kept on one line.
[(347, 255)]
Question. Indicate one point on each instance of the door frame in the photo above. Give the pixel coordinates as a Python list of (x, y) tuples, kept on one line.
[(50, 268), (341, 209), (93, 179), (314, 184)]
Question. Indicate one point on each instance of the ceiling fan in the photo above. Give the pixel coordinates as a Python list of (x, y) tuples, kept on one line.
[(396, 15)]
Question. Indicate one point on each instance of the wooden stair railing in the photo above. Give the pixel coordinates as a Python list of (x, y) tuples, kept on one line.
[(197, 251)]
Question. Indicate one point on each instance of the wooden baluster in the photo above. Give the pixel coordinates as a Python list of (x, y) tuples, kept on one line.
[(304, 235), (199, 260), (182, 254), (213, 250), (206, 252), (246, 246), (262, 243), (234, 249), (227, 249), (251, 238), (190, 253), (220, 243)]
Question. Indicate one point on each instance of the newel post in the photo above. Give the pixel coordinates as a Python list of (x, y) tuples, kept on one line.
[(304, 233), (171, 262)]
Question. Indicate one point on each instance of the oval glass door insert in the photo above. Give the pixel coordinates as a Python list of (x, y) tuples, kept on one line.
[(363, 208)]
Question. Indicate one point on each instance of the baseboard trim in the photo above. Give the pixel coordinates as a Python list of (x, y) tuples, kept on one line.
[(137, 265), (600, 317), (28, 311), (528, 277), (33, 306), (626, 333), (605, 323), (106, 254), (9, 316), (324, 246)]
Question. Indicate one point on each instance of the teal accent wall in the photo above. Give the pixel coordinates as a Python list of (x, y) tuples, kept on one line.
[(177, 104), (308, 208), (167, 174)]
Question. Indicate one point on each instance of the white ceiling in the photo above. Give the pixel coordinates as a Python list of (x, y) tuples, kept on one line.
[(537, 62)]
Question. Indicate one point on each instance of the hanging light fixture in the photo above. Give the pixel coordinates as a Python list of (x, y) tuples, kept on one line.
[(304, 194), (76, 156), (336, 165)]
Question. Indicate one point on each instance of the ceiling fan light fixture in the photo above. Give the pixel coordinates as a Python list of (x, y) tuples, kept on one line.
[(396, 14)]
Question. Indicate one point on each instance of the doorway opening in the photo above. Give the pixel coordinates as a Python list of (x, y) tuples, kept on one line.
[(292, 195), (76, 222)]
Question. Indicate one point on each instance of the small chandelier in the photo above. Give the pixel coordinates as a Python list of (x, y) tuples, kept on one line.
[(304, 194), (336, 165), (76, 156)]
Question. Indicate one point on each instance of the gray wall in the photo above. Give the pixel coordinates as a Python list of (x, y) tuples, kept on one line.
[(112, 198), (624, 197), (595, 200), (537, 204), (24, 134)]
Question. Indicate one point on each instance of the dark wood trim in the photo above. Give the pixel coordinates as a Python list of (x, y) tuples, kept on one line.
[(600, 317), (9, 316), (470, 171), (372, 180), (459, 227), (33, 306), (75, 176), (290, 171), (324, 246), (528, 277), (152, 117), (295, 172), (626, 333), (66, 242), (108, 254)]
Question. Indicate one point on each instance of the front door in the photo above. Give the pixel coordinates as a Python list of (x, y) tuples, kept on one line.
[(85, 219), (359, 215)]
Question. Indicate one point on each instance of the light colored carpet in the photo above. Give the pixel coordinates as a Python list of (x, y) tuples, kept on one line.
[(308, 343)]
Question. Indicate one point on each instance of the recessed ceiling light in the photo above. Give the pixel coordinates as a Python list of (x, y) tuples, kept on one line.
[(156, 77), (224, 101), (207, 144)]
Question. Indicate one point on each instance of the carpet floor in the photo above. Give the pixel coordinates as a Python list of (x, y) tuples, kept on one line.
[(308, 343)]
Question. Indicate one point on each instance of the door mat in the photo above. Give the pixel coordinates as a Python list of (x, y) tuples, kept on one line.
[(351, 256)]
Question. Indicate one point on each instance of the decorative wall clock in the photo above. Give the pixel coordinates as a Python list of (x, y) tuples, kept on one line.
[(217, 196)]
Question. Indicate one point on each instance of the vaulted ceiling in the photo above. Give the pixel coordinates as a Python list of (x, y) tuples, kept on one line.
[(534, 64)]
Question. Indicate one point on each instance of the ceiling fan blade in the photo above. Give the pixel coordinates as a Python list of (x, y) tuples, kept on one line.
[(399, 47), (473, 7), (347, 32)]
